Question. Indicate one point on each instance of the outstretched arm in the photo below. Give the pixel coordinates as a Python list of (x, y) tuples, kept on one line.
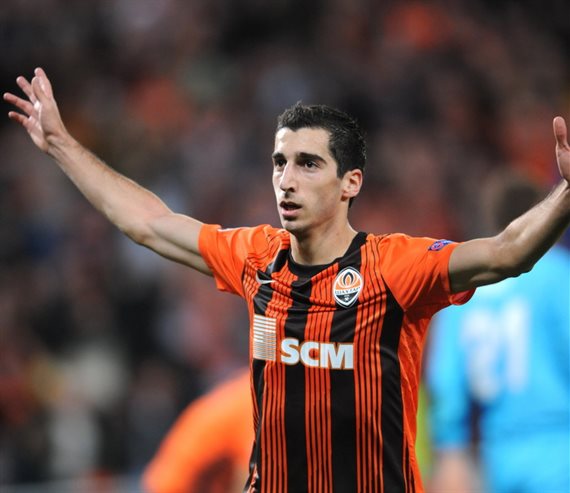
[(137, 212), (517, 248)]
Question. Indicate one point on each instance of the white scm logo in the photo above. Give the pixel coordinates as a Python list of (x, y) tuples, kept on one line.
[(317, 354), (331, 355)]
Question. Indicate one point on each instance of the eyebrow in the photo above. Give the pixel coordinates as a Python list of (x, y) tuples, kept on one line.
[(304, 156)]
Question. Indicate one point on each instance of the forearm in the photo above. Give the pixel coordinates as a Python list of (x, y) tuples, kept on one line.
[(529, 237), (516, 249), (126, 204)]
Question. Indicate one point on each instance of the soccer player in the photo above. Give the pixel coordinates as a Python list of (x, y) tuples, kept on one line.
[(338, 317), (207, 449), (505, 354)]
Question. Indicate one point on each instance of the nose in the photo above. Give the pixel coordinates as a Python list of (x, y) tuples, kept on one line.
[(288, 178)]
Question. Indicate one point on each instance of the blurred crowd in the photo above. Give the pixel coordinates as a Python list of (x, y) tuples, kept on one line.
[(99, 338)]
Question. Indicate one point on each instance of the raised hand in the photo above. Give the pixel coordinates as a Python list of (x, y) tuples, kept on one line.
[(562, 147), (40, 114)]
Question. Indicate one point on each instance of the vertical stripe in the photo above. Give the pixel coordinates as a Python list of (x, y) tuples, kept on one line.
[(367, 377), (378, 310), (257, 374), (256, 371), (257, 463), (267, 465), (410, 485), (318, 382), (278, 467), (295, 426), (410, 476), (392, 407), (342, 395)]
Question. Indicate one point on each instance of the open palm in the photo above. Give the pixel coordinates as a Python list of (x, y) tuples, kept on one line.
[(40, 114)]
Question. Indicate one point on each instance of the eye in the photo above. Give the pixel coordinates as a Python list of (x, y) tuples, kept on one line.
[(310, 164), (279, 163)]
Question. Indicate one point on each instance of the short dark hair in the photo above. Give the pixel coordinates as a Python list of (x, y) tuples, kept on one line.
[(346, 142)]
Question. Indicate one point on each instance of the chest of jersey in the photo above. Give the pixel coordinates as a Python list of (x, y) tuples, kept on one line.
[(315, 320)]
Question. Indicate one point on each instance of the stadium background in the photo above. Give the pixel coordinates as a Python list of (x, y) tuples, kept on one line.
[(102, 340)]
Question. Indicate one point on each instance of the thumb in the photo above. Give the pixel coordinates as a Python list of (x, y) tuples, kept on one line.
[(560, 132)]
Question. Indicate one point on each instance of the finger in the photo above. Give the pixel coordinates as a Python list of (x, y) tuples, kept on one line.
[(560, 132), (18, 117), (22, 104), (29, 123), (26, 87), (39, 90), (44, 81)]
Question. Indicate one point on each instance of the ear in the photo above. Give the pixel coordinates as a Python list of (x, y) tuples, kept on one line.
[(351, 183)]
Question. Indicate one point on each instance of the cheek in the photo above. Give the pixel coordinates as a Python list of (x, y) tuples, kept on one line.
[(275, 181), (326, 199)]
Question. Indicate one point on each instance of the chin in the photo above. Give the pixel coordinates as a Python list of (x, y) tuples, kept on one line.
[(292, 227)]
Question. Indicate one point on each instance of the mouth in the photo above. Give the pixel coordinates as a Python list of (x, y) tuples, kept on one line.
[(289, 209)]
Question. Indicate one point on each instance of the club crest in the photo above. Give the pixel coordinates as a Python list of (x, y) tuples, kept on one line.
[(347, 286)]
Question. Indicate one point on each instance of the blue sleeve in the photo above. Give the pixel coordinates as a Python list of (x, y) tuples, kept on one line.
[(447, 383)]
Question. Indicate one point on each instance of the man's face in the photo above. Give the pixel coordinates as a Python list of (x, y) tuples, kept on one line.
[(310, 196)]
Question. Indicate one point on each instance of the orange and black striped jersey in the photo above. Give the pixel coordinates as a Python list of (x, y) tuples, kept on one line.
[(335, 355)]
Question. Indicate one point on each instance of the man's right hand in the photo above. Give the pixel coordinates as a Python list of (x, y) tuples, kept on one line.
[(136, 211), (40, 114)]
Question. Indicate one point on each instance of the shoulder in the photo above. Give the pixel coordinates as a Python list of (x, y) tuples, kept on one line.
[(269, 235), (404, 242), (262, 231), (241, 241), (387, 240)]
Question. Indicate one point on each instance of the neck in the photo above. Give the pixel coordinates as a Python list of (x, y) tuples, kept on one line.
[(322, 248)]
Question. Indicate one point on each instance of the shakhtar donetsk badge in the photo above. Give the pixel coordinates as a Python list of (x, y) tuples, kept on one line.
[(347, 286)]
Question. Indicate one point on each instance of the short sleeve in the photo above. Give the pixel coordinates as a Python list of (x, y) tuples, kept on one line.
[(226, 250), (417, 272)]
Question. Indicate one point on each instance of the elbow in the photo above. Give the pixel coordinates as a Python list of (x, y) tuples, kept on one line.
[(511, 257), (516, 270), (145, 231), (142, 235), (137, 237), (137, 233), (136, 229), (525, 267)]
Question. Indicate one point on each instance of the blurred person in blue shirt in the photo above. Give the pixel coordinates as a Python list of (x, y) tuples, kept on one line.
[(499, 369)]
